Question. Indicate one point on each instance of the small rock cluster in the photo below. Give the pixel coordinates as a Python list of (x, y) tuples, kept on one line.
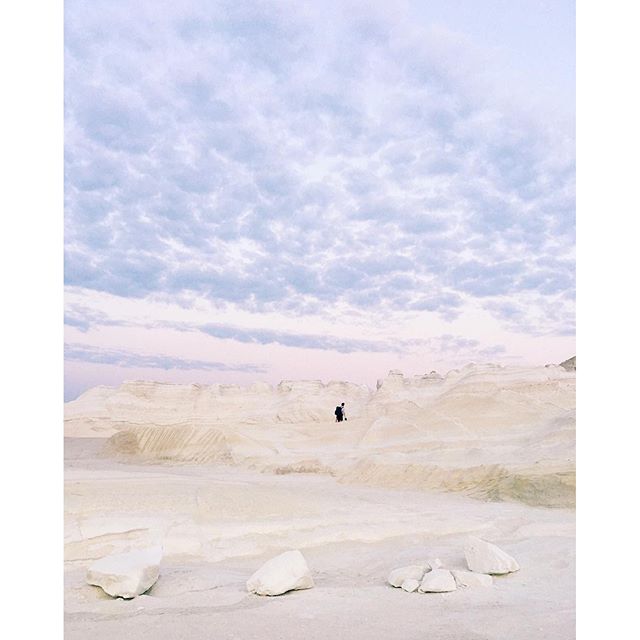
[(127, 575), (483, 559)]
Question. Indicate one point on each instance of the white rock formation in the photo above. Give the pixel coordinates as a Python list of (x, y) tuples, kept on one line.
[(434, 563), (484, 557), (286, 572), (411, 572), (437, 581), (126, 575), (471, 579), (496, 433), (410, 585)]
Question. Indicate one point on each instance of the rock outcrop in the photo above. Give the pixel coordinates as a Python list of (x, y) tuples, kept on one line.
[(495, 433)]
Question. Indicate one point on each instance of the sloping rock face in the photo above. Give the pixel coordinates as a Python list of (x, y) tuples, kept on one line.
[(179, 443), (569, 365), (126, 575), (286, 572), (484, 557)]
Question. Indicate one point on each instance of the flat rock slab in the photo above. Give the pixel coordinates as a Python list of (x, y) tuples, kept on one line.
[(484, 557), (126, 575), (437, 581), (471, 579), (286, 572)]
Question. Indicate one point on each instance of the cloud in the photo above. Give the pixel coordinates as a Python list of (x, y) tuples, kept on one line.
[(323, 342), (537, 315), (253, 154), (129, 359), (84, 319), (454, 347)]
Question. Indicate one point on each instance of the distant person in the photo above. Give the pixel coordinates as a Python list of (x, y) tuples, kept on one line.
[(340, 413)]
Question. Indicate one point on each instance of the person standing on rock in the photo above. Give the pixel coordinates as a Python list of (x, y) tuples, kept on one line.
[(340, 413)]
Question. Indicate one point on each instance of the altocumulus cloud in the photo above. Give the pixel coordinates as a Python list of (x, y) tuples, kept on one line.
[(260, 155)]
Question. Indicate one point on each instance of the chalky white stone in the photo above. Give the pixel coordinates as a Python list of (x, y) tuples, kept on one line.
[(471, 579), (484, 557), (410, 585), (411, 572), (437, 581), (126, 575), (172, 423), (286, 572)]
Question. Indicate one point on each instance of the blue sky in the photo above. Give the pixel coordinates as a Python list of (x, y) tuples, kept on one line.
[(271, 190)]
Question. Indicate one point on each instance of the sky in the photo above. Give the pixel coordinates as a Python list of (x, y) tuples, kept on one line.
[(316, 190)]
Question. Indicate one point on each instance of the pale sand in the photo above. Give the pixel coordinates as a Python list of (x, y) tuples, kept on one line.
[(356, 498)]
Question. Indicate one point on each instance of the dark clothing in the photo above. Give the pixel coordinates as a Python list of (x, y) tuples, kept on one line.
[(338, 413)]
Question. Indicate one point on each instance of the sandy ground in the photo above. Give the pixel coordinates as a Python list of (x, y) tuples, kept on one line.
[(219, 523)]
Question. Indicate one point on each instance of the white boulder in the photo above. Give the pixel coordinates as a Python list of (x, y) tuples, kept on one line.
[(437, 581), (471, 579), (285, 572), (434, 563), (412, 572), (484, 557), (410, 585), (126, 575)]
